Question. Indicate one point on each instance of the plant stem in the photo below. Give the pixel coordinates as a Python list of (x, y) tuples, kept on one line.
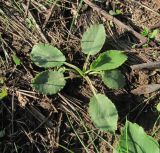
[(153, 134), (90, 85), (155, 125), (95, 72), (88, 71), (126, 131), (75, 68), (86, 63)]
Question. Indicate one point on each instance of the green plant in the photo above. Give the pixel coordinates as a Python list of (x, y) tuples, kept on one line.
[(101, 109), (16, 60), (134, 140), (145, 32), (30, 23), (116, 12), (151, 35), (3, 93)]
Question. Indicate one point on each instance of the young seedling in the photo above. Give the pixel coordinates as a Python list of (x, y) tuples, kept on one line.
[(115, 13), (151, 35), (101, 109), (3, 93), (16, 60)]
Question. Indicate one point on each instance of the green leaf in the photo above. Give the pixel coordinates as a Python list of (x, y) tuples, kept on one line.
[(16, 60), (153, 34), (45, 55), (118, 12), (49, 82), (145, 32), (113, 79), (3, 93), (93, 39), (114, 13), (103, 113), (1, 80), (135, 140), (108, 60), (158, 107)]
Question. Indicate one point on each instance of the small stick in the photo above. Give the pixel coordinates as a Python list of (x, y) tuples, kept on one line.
[(155, 26), (150, 65), (117, 22), (40, 117), (146, 89), (27, 8)]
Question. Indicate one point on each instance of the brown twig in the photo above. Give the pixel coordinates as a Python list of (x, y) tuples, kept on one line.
[(146, 89), (155, 26), (39, 116), (142, 39), (27, 8), (150, 65)]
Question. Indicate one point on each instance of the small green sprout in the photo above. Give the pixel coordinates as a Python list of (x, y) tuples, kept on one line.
[(145, 32), (3, 93), (1, 80), (116, 12), (30, 23), (16, 60), (151, 35)]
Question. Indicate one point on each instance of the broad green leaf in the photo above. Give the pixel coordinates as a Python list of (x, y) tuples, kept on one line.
[(108, 60), (49, 82), (93, 39), (16, 60), (103, 113), (3, 93), (45, 55), (135, 140), (113, 79)]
